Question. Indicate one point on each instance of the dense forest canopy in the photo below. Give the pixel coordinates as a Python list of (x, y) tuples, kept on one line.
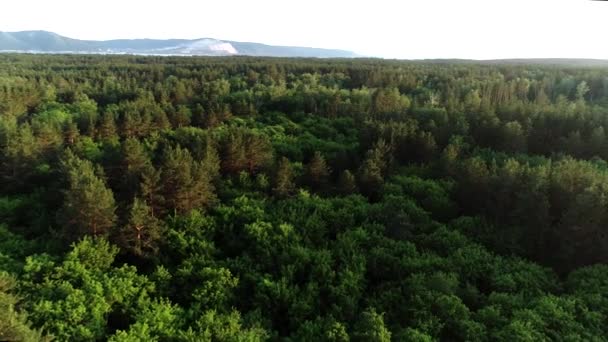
[(254, 199)]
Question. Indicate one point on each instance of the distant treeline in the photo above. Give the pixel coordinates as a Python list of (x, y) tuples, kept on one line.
[(254, 199)]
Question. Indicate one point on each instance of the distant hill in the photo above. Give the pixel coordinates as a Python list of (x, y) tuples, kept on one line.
[(578, 62), (49, 42)]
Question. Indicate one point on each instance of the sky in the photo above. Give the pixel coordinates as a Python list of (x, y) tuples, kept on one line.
[(405, 29)]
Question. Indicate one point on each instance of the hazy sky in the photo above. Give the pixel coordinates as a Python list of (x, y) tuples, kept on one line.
[(479, 29)]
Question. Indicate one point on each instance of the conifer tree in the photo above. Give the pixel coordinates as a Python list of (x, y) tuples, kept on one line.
[(70, 133), (211, 159), (182, 116), (376, 165), (89, 206), (317, 171), (186, 184), (246, 150), (160, 121), (370, 177), (347, 184), (107, 127), (134, 162), (150, 190), (142, 231), (234, 154), (131, 123), (199, 117), (259, 151), (284, 185), (18, 156)]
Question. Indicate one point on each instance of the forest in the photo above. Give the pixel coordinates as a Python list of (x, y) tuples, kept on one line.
[(276, 199)]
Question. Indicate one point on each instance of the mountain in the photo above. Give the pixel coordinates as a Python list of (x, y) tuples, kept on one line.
[(557, 62), (49, 42), (39, 41), (573, 62)]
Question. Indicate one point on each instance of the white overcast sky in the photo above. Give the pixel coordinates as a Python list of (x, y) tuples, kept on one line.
[(413, 29)]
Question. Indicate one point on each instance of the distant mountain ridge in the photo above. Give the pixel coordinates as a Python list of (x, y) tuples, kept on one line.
[(49, 42), (583, 62)]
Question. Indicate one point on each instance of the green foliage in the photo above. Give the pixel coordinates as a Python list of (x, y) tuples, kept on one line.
[(245, 150), (135, 163), (347, 183), (317, 172), (73, 299), (13, 322), (256, 199), (186, 184), (212, 326), (370, 327), (284, 179), (142, 233), (89, 206), (155, 321)]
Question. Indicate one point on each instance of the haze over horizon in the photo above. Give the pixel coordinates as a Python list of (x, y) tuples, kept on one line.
[(469, 29)]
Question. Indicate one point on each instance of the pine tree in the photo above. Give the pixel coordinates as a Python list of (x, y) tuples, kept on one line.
[(186, 184), (70, 133), (200, 192), (389, 101), (18, 156), (317, 172), (150, 190), (449, 158), (131, 122), (182, 116), (87, 114), (382, 155), (48, 138), (134, 162), (142, 232), (199, 117), (370, 176), (211, 159), (212, 119), (234, 154), (347, 184), (259, 151), (284, 185), (160, 121), (375, 167), (89, 206), (146, 124), (107, 127), (246, 150)]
